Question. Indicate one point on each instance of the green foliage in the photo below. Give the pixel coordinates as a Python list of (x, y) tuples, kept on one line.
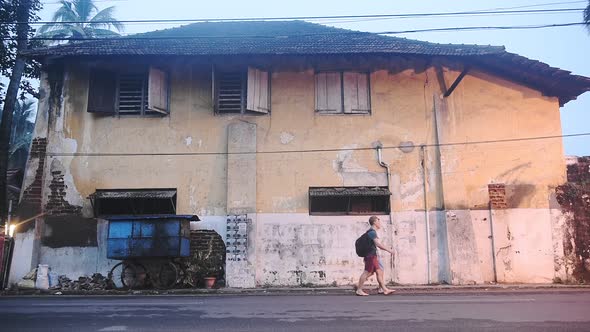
[(23, 124), (89, 21), (8, 45), (587, 15)]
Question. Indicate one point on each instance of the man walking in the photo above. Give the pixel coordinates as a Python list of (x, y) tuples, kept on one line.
[(372, 262)]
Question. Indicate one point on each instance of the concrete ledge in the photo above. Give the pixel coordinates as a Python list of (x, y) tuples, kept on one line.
[(282, 291)]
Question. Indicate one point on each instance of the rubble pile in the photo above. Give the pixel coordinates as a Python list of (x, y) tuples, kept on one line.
[(96, 282)]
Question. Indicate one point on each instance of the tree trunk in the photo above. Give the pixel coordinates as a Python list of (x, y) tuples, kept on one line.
[(22, 31)]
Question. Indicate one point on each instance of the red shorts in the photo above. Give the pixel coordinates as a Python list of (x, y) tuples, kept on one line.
[(372, 264)]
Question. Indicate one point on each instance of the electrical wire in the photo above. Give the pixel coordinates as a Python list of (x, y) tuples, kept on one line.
[(146, 154), (190, 20), (506, 8), (350, 32)]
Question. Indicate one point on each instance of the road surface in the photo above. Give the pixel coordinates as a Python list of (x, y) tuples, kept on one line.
[(523, 311)]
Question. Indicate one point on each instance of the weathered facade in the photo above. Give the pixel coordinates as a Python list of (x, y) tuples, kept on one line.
[(472, 185)]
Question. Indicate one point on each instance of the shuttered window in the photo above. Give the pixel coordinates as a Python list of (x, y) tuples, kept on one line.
[(143, 92), (342, 93), (258, 98), (328, 92), (158, 91), (242, 92), (101, 92), (230, 94), (356, 92), (131, 93)]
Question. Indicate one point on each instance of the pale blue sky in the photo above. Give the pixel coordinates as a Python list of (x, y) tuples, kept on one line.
[(567, 48)]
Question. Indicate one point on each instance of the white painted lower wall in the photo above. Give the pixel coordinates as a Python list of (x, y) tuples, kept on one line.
[(22, 256), (296, 249), (299, 249)]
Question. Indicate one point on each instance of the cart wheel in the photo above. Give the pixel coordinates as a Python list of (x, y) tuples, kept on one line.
[(168, 275), (126, 275), (135, 276)]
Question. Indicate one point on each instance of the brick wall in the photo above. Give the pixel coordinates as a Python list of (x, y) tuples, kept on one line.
[(32, 194), (56, 202), (201, 239), (497, 194)]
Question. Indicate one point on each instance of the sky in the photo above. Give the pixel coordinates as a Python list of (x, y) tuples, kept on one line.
[(564, 47)]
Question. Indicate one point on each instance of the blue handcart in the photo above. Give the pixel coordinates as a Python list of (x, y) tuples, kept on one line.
[(149, 248)]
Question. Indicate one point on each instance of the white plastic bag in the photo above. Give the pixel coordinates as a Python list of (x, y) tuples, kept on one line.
[(42, 281)]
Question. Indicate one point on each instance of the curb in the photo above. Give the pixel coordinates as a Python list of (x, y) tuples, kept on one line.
[(348, 290)]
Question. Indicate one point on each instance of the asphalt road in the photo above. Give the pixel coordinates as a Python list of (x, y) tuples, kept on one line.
[(522, 311)]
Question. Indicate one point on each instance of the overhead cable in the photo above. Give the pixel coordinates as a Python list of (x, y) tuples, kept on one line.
[(189, 20), (148, 154)]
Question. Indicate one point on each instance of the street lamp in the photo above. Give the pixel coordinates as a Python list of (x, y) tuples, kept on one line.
[(11, 229)]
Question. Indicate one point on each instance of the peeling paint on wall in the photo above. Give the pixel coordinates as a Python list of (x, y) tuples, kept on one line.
[(574, 198), (345, 161), (286, 137)]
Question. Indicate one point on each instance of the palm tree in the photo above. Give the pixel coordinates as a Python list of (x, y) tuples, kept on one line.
[(90, 22), (587, 15), (23, 125), (23, 120)]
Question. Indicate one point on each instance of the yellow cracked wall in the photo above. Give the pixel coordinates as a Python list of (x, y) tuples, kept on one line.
[(482, 108)]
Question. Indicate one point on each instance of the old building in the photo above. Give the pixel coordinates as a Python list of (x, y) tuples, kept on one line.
[(285, 136)]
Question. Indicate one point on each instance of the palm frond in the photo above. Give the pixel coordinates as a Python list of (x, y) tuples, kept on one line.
[(20, 144), (587, 15), (81, 11), (107, 14), (105, 33), (65, 13), (84, 8), (58, 32), (79, 31)]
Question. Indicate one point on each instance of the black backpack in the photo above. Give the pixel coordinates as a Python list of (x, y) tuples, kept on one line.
[(363, 245)]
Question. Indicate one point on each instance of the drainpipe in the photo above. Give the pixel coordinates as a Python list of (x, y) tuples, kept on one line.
[(426, 214), (491, 237), (383, 164)]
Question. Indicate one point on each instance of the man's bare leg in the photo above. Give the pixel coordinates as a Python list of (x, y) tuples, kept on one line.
[(359, 286), (386, 290)]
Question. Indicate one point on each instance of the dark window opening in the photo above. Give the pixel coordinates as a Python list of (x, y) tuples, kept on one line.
[(230, 92), (134, 202), (132, 95), (369, 205), (349, 201), (329, 204)]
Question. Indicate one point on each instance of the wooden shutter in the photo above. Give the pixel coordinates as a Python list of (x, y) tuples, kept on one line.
[(132, 93), (356, 92), (229, 92), (328, 93), (158, 91), (102, 92), (258, 99)]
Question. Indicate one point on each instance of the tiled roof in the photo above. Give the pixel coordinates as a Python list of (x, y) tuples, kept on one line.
[(133, 193), (303, 38), (348, 191), (259, 37)]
